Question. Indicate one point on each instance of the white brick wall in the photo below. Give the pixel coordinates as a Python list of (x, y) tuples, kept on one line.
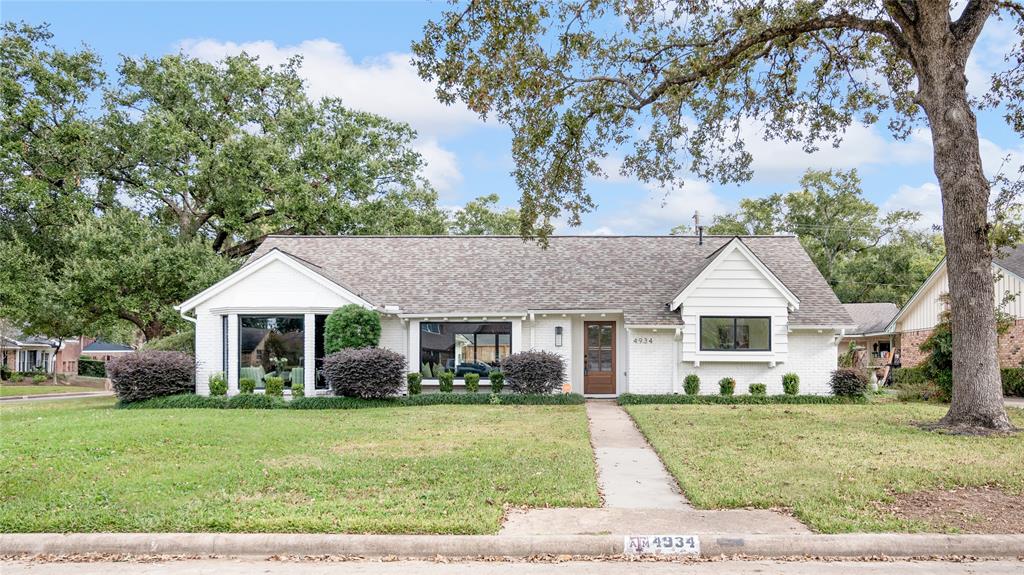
[(542, 331), (651, 354)]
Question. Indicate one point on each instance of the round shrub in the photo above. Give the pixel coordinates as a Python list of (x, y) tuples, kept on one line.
[(497, 380), (691, 384), (446, 382), (414, 383), (758, 389), (791, 384), (369, 372), (298, 389), (274, 386), (145, 374), (726, 386), (848, 382), (246, 385), (351, 326), (218, 384), (472, 381), (533, 371)]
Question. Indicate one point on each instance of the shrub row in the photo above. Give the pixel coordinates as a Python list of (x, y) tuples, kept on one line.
[(91, 367), (633, 399), (260, 401), (727, 385)]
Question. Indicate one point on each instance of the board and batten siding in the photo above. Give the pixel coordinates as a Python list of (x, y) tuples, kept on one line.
[(735, 287), (924, 311)]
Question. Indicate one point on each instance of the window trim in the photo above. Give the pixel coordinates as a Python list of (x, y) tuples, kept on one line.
[(734, 318), (482, 377)]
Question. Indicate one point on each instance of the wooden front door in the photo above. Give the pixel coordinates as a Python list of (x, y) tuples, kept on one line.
[(599, 357)]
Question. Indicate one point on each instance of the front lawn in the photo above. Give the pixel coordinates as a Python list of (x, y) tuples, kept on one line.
[(834, 466), (8, 390), (84, 466)]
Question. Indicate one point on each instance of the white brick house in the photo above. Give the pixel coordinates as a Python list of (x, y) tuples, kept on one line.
[(629, 314)]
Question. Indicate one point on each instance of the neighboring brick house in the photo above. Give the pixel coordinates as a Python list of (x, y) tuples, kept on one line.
[(628, 314), (873, 342), (31, 353), (914, 323)]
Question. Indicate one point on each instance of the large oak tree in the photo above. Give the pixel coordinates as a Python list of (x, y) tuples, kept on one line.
[(672, 83)]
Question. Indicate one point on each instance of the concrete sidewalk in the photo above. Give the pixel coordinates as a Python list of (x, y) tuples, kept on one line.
[(54, 396)]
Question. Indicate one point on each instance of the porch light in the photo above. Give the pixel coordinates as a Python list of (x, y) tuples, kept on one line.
[(558, 336)]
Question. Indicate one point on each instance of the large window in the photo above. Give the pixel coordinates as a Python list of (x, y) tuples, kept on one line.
[(735, 334), (464, 347), (271, 346)]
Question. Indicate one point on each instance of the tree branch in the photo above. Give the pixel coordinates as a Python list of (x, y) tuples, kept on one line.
[(970, 23)]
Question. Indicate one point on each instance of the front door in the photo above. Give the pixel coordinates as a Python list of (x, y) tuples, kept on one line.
[(599, 357)]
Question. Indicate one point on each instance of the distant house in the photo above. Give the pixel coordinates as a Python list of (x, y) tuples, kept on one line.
[(915, 322), (32, 353), (104, 350), (872, 344), (627, 314)]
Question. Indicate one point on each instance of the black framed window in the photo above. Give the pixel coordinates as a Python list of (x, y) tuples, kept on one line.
[(271, 346), (463, 347), (318, 354), (720, 333)]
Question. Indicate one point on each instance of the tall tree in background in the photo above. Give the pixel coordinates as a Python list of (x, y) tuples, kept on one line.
[(863, 254), (235, 151), (482, 217), (673, 83)]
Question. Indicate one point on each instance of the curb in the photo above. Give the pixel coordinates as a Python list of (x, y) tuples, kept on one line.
[(266, 544)]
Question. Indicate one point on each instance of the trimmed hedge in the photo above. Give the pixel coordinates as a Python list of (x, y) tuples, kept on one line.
[(414, 383), (634, 399), (497, 380), (758, 389), (691, 384), (472, 381), (791, 384), (259, 401), (533, 371), (145, 374), (1013, 381), (726, 386), (91, 367), (849, 382)]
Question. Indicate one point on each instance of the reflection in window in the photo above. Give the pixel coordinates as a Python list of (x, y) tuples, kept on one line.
[(463, 347), (735, 333), (271, 346)]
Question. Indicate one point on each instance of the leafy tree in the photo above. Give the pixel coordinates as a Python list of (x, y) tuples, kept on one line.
[(479, 217), (234, 151), (864, 255), (672, 84), (351, 326)]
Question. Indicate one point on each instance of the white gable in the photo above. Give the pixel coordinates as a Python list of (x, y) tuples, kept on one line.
[(736, 270)]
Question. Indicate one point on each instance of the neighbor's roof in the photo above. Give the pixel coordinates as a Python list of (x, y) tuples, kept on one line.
[(871, 317), (1012, 260), (100, 346), (19, 338), (482, 274)]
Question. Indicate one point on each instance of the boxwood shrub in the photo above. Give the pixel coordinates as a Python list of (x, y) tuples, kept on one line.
[(472, 381), (247, 385), (145, 374), (414, 383), (369, 373), (273, 386), (726, 386), (633, 399), (298, 389), (533, 371), (446, 382), (351, 327), (497, 380), (758, 389), (791, 384), (848, 382), (218, 384), (691, 384)]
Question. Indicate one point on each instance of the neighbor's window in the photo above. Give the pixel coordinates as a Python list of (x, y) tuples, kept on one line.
[(735, 333), (271, 345), (463, 347)]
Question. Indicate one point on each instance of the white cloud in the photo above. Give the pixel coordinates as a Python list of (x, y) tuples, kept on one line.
[(925, 199), (658, 212), (442, 169), (387, 85)]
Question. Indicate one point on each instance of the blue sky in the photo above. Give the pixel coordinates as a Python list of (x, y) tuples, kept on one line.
[(360, 52)]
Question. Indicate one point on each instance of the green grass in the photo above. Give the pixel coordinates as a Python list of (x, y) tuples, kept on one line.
[(829, 464), (83, 466), (7, 390)]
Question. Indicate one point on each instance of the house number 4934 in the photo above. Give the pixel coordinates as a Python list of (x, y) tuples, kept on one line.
[(643, 340)]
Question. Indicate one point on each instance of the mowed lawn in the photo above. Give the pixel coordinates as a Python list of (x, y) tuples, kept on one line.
[(832, 465), (84, 466), (18, 390)]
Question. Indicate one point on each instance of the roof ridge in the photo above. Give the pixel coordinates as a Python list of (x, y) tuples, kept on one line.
[(496, 236)]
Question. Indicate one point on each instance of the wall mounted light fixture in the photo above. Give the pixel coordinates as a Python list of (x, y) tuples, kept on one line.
[(558, 336)]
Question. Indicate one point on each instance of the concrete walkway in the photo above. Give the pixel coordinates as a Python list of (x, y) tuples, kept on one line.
[(54, 396), (640, 496), (630, 474)]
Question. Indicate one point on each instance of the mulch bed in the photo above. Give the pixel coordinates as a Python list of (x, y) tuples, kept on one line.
[(964, 509)]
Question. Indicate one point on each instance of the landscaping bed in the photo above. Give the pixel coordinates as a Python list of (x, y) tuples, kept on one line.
[(838, 468), (259, 401), (668, 399), (82, 466)]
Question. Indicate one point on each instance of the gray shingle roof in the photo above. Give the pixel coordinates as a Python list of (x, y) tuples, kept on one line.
[(484, 274), (105, 346), (871, 317), (1013, 260)]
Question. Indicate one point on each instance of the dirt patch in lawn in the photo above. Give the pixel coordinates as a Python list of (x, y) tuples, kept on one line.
[(966, 509)]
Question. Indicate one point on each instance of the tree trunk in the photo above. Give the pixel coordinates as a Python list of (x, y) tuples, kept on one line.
[(977, 390)]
